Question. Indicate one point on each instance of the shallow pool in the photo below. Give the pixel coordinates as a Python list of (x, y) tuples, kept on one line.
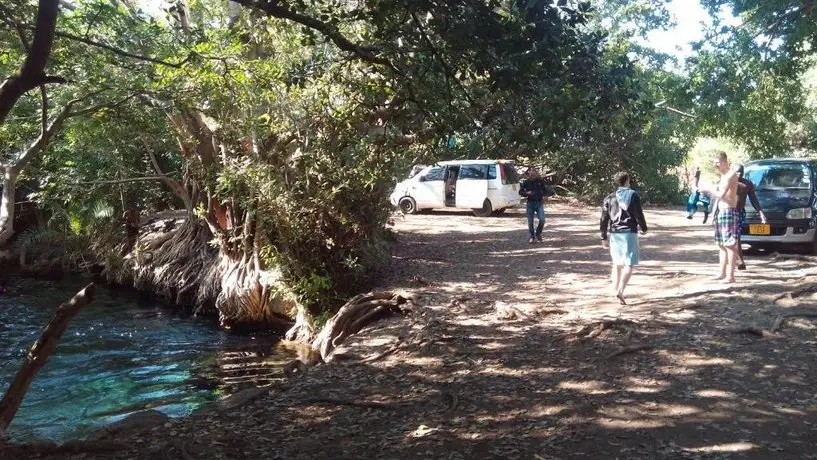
[(120, 355)]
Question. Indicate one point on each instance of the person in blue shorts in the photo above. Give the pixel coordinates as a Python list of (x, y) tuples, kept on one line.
[(621, 220)]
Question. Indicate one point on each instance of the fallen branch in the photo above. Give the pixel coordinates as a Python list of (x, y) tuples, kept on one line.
[(627, 350), (39, 353)]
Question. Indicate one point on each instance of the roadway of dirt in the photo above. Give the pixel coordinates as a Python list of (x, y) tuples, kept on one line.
[(515, 350)]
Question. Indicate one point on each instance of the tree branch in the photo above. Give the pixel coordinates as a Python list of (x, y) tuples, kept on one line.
[(120, 181), (121, 52), (276, 9), (44, 120), (32, 73), (8, 18)]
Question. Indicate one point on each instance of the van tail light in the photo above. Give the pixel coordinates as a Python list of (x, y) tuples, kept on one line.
[(501, 172)]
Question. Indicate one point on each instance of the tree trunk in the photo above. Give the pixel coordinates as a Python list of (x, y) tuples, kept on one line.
[(7, 205), (39, 353), (32, 74)]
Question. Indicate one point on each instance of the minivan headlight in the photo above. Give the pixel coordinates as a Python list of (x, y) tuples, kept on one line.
[(799, 213)]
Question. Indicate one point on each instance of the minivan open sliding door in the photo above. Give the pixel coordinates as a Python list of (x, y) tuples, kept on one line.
[(472, 185)]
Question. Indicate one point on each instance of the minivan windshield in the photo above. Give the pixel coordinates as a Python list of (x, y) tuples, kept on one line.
[(779, 176)]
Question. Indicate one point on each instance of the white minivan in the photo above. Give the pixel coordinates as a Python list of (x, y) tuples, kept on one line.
[(484, 186)]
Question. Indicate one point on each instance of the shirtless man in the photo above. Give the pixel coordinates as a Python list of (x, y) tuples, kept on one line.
[(727, 230)]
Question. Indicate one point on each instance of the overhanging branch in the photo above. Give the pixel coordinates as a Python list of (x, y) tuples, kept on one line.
[(32, 73), (120, 181), (277, 9), (121, 52)]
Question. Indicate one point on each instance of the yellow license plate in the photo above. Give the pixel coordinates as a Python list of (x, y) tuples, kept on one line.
[(760, 229)]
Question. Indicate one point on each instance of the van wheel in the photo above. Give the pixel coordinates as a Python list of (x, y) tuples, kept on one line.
[(407, 205), (485, 211)]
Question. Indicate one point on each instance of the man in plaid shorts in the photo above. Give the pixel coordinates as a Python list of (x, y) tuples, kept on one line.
[(727, 222)]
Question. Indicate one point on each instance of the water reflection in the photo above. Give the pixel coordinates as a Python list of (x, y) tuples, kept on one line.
[(122, 355)]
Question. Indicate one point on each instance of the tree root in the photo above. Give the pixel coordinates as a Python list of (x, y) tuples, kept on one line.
[(509, 312), (756, 331), (357, 313), (384, 353), (627, 350), (594, 329), (778, 322), (346, 402)]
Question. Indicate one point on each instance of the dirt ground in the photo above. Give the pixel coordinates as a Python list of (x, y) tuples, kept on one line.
[(515, 350)]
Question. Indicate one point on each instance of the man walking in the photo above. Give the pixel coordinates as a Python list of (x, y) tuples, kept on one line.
[(535, 189), (621, 219), (727, 230), (745, 189)]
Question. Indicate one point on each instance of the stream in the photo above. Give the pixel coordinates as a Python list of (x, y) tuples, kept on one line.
[(120, 355)]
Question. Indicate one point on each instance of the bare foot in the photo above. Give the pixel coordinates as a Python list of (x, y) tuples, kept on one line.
[(728, 281), (717, 278), (620, 298)]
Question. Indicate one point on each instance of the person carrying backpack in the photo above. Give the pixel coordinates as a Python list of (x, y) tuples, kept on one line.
[(621, 219)]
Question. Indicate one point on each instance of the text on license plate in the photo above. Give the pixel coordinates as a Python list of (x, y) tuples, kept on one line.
[(760, 229)]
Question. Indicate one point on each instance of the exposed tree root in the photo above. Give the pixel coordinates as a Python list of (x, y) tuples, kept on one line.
[(384, 353), (594, 329), (781, 319), (243, 296), (627, 350), (353, 316), (347, 402), (756, 331), (509, 312)]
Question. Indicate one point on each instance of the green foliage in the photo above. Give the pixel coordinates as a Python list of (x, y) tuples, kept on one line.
[(748, 75)]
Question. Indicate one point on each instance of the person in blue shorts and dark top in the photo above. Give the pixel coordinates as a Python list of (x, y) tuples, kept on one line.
[(621, 220)]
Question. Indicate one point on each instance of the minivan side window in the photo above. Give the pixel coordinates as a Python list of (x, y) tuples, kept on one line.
[(435, 174), (492, 172), (477, 172)]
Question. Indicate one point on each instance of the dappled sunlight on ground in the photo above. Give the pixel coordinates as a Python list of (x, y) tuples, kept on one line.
[(518, 350)]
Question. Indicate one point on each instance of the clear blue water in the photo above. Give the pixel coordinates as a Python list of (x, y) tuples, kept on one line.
[(119, 355)]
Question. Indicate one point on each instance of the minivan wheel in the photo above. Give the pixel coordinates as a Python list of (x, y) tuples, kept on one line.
[(485, 211), (407, 205)]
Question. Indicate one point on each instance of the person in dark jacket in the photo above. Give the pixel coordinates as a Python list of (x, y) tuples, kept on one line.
[(621, 219), (535, 189), (746, 189)]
